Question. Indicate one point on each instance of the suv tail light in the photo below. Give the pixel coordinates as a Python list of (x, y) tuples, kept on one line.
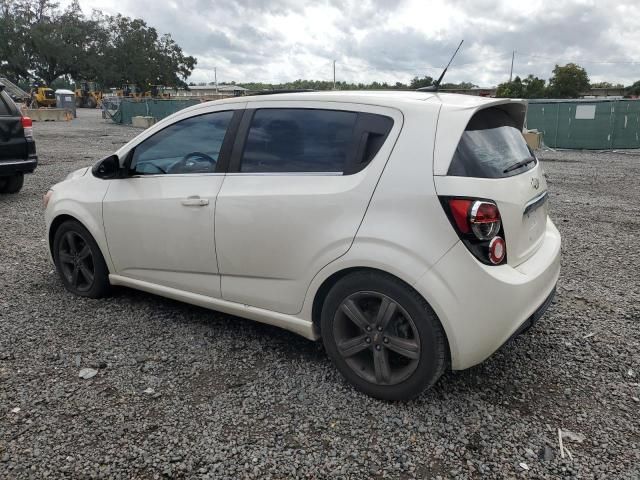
[(27, 125), (478, 224)]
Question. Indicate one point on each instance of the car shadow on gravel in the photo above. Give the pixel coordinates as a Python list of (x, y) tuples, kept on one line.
[(286, 344)]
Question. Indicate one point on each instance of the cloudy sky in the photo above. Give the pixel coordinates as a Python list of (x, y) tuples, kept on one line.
[(395, 40)]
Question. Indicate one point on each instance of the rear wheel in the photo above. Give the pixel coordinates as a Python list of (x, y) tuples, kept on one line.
[(12, 184), (79, 261), (383, 336)]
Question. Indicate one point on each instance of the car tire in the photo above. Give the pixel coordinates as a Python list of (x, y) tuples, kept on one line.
[(383, 336), (79, 261), (12, 184)]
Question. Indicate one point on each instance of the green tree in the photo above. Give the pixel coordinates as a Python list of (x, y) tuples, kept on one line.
[(420, 82), (568, 81), (530, 87), (458, 86), (534, 87), (66, 44), (633, 89), (512, 89), (16, 20), (606, 85), (42, 42)]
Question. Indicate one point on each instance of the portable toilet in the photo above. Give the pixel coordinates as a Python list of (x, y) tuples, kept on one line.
[(66, 99)]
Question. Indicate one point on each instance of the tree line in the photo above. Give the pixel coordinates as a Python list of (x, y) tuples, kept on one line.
[(568, 81), (43, 43), (415, 83)]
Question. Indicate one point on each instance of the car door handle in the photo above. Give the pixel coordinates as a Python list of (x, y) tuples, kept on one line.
[(194, 201)]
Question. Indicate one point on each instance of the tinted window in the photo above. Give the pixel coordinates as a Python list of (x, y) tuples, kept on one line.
[(188, 146), (490, 147), (298, 140)]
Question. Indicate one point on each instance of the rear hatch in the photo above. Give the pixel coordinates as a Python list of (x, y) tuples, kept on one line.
[(13, 145), (492, 162)]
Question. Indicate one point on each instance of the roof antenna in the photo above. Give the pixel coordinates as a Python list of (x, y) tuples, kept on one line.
[(434, 87)]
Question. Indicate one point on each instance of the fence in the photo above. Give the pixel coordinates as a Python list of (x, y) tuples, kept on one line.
[(123, 110), (587, 124)]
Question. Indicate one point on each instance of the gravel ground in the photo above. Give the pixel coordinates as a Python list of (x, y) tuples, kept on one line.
[(183, 392)]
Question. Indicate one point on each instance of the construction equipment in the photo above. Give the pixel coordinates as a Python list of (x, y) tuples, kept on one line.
[(42, 96), (129, 90), (88, 95), (156, 91)]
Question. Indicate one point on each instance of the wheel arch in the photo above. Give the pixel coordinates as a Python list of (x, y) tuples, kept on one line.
[(63, 217), (322, 292)]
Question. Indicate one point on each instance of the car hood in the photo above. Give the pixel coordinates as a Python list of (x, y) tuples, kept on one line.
[(77, 173)]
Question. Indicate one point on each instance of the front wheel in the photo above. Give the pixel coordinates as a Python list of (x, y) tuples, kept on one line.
[(79, 261), (383, 336)]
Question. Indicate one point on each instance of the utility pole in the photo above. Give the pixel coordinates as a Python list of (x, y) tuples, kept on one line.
[(215, 77), (513, 56), (334, 74)]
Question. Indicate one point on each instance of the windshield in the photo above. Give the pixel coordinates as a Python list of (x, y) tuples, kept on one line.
[(490, 147)]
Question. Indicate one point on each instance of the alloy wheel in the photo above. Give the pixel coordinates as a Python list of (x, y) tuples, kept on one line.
[(376, 338), (76, 261)]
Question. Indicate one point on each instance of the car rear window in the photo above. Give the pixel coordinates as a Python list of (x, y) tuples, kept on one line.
[(5, 104), (492, 146)]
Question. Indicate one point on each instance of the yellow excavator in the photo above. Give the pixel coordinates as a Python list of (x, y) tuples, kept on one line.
[(42, 96), (88, 95)]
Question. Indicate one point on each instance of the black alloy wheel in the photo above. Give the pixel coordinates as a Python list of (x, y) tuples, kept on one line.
[(79, 261), (76, 261), (383, 336), (377, 338)]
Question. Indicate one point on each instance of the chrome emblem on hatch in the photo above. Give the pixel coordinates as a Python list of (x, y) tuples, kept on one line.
[(535, 183)]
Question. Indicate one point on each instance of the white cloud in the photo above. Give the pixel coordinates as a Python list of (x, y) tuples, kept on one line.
[(280, 40)]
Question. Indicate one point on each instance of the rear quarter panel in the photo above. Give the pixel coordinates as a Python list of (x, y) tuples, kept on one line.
[(404, 231)]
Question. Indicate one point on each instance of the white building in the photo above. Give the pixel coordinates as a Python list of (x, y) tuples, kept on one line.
[(211, 91)]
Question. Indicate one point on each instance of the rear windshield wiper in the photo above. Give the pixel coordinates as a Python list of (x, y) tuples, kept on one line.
[(519, 164)]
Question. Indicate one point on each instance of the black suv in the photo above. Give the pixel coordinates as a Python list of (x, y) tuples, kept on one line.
[(17, 147)]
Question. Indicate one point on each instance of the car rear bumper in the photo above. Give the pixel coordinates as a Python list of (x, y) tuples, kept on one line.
[(481, 307), (11, 167)]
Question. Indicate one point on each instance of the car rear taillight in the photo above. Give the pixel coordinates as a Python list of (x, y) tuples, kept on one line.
[(485, 220), (27, 126), (479, 226)]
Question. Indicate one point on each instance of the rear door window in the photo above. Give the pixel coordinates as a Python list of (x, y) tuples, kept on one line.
[(491, 146), (298, 140)]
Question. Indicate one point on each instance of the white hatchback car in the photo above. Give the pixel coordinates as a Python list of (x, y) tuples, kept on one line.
[(408, 230)]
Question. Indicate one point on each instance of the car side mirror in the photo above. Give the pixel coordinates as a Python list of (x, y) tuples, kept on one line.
[(107, 168)]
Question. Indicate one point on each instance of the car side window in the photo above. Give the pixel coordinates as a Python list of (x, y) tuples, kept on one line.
[(298, 140), (191, 145)]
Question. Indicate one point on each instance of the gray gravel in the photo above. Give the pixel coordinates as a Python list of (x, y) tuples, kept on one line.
[(183, 392)]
